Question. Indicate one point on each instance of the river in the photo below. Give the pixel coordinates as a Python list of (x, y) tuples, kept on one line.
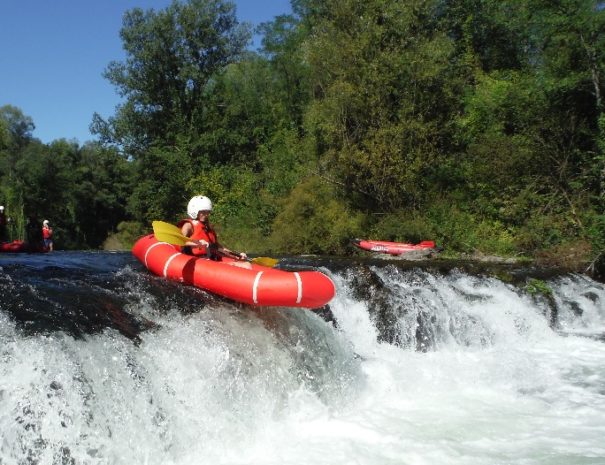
[(422, 363)]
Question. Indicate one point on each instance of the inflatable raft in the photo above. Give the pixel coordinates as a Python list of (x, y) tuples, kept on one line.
[(260, 285), (392, 248), (20, 246)]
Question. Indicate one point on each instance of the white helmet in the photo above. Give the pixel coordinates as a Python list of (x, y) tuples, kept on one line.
[(197, 203), (45, 222), (1, 207)]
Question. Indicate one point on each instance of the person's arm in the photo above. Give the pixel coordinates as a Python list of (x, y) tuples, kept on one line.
[(229, 253)]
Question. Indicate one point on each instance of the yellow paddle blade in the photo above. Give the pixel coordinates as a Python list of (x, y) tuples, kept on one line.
[(166, 232), (265, 261)]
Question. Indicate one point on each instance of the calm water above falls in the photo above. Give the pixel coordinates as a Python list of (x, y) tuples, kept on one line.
[(102, 363)]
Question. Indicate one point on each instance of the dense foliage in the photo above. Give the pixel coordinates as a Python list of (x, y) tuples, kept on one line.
[(478, 123), (81, 190)]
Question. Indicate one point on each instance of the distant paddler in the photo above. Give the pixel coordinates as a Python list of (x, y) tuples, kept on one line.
[(47, 235)]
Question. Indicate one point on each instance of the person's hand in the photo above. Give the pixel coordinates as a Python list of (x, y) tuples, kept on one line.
[(202, 243), (243, 256)]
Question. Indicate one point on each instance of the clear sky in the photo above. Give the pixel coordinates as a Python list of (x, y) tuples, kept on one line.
[(53, 54)]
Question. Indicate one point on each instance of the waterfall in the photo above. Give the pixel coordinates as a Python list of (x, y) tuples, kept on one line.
[(102, 363)]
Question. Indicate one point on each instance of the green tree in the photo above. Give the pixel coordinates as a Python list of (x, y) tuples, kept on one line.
[(382, 93), (16, 128), (315, 220), (573, 44), (283, 45), (101, 187), (174, 57), (529, 127), (15, 136)]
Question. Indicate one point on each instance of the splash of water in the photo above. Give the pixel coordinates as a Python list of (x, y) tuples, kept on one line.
[(420, 368)]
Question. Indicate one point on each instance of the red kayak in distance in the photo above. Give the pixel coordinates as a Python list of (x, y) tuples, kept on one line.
[(393, 248), (21, 246), (259, 286)]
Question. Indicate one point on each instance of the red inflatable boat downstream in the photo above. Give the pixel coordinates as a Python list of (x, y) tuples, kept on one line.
[(20, 246), (392, 248), (260, 286)]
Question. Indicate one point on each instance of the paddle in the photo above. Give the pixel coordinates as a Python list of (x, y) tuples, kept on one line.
[(170, 233)]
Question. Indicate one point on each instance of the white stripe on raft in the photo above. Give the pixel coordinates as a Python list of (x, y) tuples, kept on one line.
[(172, 257), (299, 282), (255, 286), (149, 250)]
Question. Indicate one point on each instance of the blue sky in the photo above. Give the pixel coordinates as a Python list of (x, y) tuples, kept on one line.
[(54, 52)]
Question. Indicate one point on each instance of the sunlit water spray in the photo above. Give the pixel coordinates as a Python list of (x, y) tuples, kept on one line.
[(419, 368)]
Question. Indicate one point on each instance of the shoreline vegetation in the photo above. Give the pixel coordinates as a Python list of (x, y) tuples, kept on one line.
[(479, 125)]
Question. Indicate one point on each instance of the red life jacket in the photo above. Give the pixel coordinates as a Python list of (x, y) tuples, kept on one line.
[(47, 232), (201, 231)]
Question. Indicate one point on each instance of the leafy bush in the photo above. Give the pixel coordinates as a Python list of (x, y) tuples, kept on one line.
[(314, 220), (403, 227), (595, 229), (541, 232), (537, 287), (467, 232), (126, 235)]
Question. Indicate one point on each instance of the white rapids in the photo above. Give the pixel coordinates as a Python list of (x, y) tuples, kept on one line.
[(494, 383)]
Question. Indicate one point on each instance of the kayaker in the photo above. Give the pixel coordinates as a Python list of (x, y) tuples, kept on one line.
[(47, 235), (204, 242)]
